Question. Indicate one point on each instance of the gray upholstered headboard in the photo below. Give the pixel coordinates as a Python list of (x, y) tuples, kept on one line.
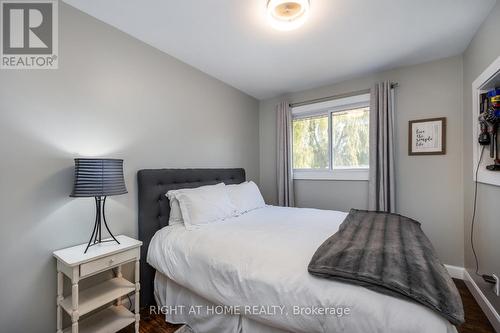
[(154, 207)]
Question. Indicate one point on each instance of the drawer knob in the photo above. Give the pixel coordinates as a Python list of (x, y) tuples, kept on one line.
[(111, 261)]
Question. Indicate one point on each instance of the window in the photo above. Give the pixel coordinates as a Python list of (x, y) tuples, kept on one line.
[(310, 143), (331, 139)]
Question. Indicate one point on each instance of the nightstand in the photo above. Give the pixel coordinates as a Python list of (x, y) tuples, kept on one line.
[(76, 265)]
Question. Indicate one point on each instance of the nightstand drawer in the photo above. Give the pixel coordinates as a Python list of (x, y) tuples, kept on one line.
[(102, 264)]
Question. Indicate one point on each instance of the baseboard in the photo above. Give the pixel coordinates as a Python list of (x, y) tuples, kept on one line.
[(456, 272), (483, 302)]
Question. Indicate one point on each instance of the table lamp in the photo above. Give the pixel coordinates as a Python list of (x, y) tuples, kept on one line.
[(98, 178)]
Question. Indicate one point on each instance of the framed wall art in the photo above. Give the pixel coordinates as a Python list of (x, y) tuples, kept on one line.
[(427, 136)]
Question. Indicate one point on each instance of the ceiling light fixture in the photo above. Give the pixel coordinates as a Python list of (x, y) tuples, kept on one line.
[(287, 14)]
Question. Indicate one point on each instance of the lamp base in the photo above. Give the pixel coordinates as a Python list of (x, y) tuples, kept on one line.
[(95, 238)]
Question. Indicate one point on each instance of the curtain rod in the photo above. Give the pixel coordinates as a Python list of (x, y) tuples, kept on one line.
[(329, 98)]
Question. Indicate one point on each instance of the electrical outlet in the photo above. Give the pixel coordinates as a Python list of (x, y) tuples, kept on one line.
[(497, 285)]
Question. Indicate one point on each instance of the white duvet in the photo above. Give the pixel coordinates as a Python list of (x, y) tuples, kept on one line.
[(260, 259)]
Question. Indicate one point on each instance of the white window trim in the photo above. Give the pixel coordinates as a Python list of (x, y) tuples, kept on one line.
[(360, 174), (339, 104), (328, 108)]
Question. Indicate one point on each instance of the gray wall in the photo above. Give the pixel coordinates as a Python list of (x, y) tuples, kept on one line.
[(479, 55), (112, 96), (429, 188)]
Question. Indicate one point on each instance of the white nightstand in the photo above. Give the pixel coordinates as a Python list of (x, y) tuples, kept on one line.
[(76, 265)]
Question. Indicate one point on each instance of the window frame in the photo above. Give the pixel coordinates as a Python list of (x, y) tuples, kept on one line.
[(329, 108)]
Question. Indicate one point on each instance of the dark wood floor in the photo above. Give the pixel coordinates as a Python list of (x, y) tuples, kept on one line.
[(475, 319), (152, 324)]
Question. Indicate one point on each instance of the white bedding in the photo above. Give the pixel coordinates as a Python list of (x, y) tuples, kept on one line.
[(261, 258)]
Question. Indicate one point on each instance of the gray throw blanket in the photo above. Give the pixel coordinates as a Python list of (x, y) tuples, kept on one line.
[(390, 254)]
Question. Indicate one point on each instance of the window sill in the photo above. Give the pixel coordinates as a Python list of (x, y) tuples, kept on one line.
[(342, 174)]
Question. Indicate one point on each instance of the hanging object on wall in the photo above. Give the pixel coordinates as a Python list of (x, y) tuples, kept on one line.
[(491, 116), (427, 136), (484, 137), (494, 96)]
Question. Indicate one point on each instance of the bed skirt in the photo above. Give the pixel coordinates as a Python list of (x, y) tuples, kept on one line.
[(182, 306)]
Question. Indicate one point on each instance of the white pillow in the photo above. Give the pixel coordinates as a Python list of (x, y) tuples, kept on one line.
[(245, 196), (203, 205), (175, 213)]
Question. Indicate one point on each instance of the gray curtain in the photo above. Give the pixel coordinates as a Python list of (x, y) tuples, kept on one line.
[(284, 155), (381, 188)]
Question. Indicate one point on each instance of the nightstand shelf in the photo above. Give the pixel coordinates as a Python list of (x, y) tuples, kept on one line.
[(111, 319), (100, 295), (77, 265)]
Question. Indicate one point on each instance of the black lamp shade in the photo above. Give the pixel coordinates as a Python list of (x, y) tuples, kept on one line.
[(97, 177)]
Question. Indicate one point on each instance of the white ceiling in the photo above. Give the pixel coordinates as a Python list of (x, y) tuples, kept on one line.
[(231, 40)]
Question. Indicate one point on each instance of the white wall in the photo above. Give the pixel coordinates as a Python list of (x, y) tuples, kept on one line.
[(479, 55), (112, 96), (429, 188)]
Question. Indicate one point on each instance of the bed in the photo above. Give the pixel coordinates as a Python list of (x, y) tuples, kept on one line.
[(249, 273)]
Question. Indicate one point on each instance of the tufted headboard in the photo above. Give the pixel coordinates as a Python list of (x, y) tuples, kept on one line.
[(154, 207)]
